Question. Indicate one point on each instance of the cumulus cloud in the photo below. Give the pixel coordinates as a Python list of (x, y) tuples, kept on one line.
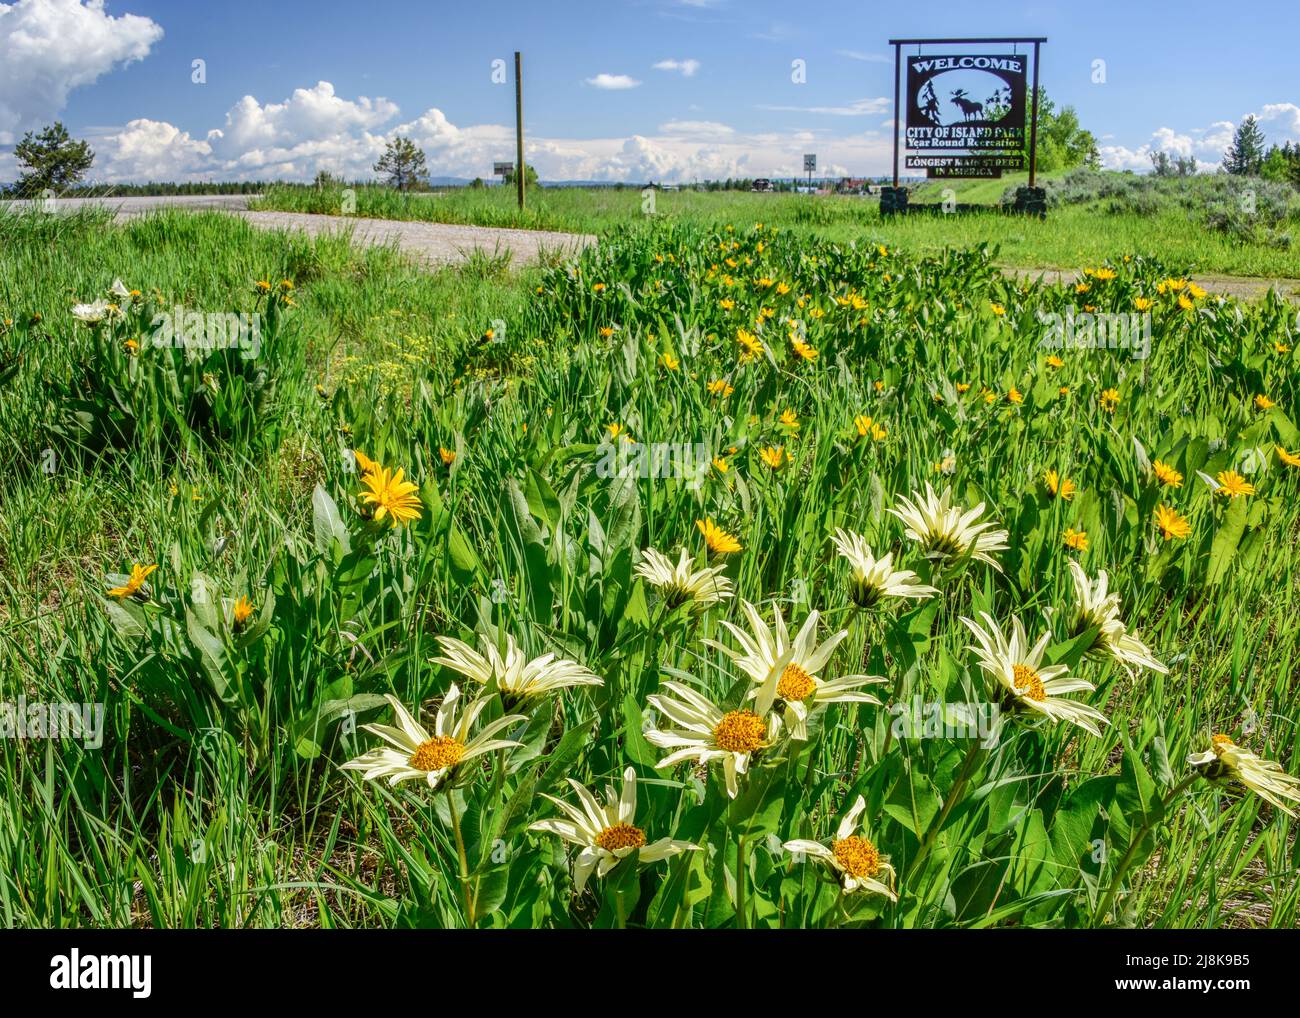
[(695, 127), (50, 47), (1204, 144), (686, 68), (612, 82)]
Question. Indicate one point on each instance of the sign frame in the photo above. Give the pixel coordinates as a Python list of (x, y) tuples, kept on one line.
[(1035, 41)]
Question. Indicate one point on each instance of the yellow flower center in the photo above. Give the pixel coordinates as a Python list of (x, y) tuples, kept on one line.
[(858, 856), (740, 731), (1028, 684), (438, 754), (1220, 743), (795, 684), (611, 839)]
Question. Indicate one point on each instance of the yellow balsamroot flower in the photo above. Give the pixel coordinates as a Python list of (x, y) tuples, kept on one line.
[(1291, 459), (773, 456), (1226, 761), (606, 834), (1167, 475), (1143, 303), (962, 388), (512, 675), (703, 732), (262, 286), (134, 582), (870, 578), (1075, 540), (720, 465), (867, 426), (946, 532), (726, 303), (1054, 361), (1196, 292), (790, 419), (718, 540), (1171, 524), (1019, 676), (367, 465), (852, 857), (1280, 347), (669, 361), (1060, 487), (437, 758), (604, 331), (1104, 275), (598, 288), (448, 456), (720, 387), (241, 612), (1013, 394), (1262, 402), (878, 385), (803, 349), (1228, 483), (1109, 400), (678, 584), (751, 343), (1185, 302), (391, 496), (997, 309)]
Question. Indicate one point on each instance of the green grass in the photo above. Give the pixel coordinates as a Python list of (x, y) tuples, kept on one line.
[(217, 796), (1075, 235)]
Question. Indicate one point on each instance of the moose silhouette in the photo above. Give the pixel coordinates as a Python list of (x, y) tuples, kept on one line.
[(969, 108)]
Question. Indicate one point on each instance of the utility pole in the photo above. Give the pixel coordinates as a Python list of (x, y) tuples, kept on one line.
[(521, 170)]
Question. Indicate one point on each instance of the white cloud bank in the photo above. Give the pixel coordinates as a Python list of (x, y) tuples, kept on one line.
[(612, 82), (50, 47), (1280, 121), (686, 68)]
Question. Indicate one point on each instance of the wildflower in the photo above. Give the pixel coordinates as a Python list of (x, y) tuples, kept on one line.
[(1013, 394), (871, 578), (803, 350), (598, 288), (391, 496), (1291, 459), (773, 456), (437, 758), (1060, 487), (92, 314), (1170, 523), (680, 583), (753, 346), (1143, 303), (1109, 400), (867, 426), (948, 533), (720, 387), (997, 310), (606, 834), (962, 388), (1262, 402), (1027, 686), (718, 540), (133, 583), (241, 612), (448, 456), (854, 858), (1095, 608), (1076, 540), (705, 733), (1054, 361), (1230, 484), (1225, 760), (669, 361), (790, 419), (262, 286), (512, 675), (720, 465), (1167, 475)]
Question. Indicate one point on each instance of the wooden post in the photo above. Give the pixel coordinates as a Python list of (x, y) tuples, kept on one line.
[(521, 170), (1033, 122), (897, 113)]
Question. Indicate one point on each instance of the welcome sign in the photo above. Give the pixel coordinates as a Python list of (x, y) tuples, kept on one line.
[(966, 114)]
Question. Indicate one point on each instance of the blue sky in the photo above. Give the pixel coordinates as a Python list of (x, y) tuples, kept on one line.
[(293, 87)]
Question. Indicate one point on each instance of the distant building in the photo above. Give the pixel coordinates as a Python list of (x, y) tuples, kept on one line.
[(762, 184), (853, 185)]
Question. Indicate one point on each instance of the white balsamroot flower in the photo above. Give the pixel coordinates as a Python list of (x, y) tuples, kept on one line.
[(606, 834), (786, 670), (119, 291), (705, 733), (92, 314), (1094, 607), (413, 753), (514, 676), (871, 578), (1017, 669), (947, 533), (853, 857), (678, 584), (1225, 760)]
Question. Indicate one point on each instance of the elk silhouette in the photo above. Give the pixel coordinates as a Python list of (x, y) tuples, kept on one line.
[(968, 107)]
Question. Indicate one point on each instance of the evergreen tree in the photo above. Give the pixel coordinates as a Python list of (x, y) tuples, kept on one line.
[(1245, 156), (402, 164), (53, 160)]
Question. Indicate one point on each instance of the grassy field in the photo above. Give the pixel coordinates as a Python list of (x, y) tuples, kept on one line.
[(210, 541), (1090, 227)]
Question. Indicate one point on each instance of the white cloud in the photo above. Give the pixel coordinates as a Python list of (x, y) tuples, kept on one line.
[(612, 82), (1205, 144), (871, 58), (1287, 113), (695, 127), (50, 47), (686, 67), (857, 108)]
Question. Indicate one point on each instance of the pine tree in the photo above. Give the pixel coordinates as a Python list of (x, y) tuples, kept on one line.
[(402, 164), (53, 160), (1245, 156)]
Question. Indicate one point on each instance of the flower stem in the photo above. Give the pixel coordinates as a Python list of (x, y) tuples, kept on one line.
[(463, 859), (959, 786), (742, 922), (1135, 842)]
